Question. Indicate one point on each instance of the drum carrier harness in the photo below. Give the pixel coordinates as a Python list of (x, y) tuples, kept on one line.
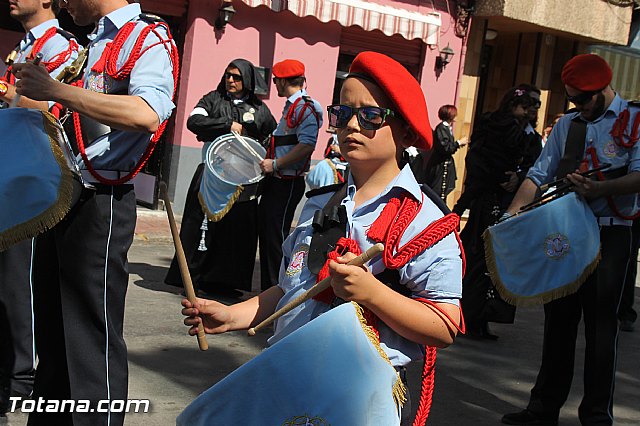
[(328, 242), (576, 157), (81, 128), (293, 120)]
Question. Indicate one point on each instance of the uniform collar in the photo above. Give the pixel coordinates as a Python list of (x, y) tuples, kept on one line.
[(300, 93), (529, 129), (616, 106), (37, 32), (405, 181), (116, 20)]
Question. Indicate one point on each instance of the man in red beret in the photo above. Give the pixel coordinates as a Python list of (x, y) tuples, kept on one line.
[(602, 129), (287, 161)]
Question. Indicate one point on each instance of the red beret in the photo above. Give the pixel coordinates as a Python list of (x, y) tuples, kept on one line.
[(288, 68), (401, 88), (587, 73)]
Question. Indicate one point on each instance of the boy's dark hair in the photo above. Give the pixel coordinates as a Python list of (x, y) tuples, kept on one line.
[(514, 97), (447, 112)]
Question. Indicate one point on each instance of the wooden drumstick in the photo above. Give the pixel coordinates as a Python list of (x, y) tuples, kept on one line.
[(16, 99), (316, 289), (182, 263)]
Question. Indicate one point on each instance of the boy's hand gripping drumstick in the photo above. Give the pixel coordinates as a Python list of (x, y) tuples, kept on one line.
[(321, 286), (182, 263)]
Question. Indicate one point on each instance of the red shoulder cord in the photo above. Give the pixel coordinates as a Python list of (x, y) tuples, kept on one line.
[(107, 64), (389, 228), (294, 120), (591, 152), (55, 62)]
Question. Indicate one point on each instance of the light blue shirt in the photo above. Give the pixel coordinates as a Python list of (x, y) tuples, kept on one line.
[(306, 131), (52, 48), (599, 137), (151, 79), (435, 274)]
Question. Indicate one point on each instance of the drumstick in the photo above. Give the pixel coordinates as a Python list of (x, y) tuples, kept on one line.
[(246, 145), (588, 173), (319, 287), (182, 263), (16, 99)]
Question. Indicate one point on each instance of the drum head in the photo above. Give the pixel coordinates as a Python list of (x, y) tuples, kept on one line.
[(235, 162)]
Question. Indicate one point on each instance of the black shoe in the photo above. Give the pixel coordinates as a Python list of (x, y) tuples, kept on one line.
[(526, 417), (626, 325)]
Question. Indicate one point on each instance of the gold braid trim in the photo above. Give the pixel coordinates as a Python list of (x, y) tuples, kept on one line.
[(59, 209), (399, 391), (540, 299), (214, 217), (334, 170)]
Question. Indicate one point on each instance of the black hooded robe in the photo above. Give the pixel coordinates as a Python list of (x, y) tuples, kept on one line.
[(232, 241)]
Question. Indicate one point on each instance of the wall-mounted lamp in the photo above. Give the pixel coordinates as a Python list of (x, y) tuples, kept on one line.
[(444, 57), (490, 34), (225, 14)]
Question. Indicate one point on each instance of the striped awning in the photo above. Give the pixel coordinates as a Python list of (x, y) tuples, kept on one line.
[(370, 16)]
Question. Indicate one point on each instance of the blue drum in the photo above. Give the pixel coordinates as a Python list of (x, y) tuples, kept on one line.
[(39, 178), (544, 253)]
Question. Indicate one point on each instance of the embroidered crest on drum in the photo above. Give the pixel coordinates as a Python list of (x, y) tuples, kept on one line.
[(610, 149), (556, 246), (305, 421), (297, 260), (99, 83)]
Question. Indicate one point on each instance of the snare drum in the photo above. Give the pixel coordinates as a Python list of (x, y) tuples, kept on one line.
[(331, 371), (232, 166), (545, 253), (39, 178)]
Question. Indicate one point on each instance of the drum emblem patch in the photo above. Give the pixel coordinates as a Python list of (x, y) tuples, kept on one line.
[(556, 246), (297, 261)]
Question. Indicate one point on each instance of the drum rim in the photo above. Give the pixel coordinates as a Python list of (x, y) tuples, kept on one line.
[(225, 139)]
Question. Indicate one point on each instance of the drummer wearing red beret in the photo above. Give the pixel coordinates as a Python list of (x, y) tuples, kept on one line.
[(288, 158), (603, 128), (382, 111)]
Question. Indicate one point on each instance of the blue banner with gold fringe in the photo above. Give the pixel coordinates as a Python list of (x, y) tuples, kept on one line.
[(543, 254), (332, 371), (36, 183)]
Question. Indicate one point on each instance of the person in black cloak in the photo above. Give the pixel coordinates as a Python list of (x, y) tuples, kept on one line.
[(221, 254), (496, 153)]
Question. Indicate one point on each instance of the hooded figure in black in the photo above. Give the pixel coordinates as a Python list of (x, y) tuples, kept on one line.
[(496, 156), (221, 254)]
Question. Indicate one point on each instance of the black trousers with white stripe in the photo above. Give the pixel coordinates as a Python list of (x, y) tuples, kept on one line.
[(598, 300), (278, 203), (17, 357), (80, 283)]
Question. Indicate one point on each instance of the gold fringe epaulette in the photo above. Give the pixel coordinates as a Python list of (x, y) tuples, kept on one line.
[(399, 390), (59, 209), (540, 299), (215, 217)]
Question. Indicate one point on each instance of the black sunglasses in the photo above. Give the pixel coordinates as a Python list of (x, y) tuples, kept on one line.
[(582, 98), (369, 117), (234, 77)]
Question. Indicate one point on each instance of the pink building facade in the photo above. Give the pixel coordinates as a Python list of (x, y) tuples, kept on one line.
[(268, 31)]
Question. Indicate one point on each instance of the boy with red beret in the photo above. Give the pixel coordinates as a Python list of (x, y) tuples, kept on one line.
[(288, 157), (382, 111), (607, 129)]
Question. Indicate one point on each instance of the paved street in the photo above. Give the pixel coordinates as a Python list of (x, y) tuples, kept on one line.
[(476, 381)]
